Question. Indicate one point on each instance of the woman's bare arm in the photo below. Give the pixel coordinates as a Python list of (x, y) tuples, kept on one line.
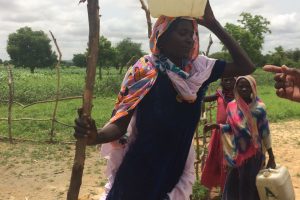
[(242, 64)]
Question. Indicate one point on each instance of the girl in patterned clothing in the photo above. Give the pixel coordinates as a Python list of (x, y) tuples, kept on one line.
[(214, 170), (163, 92), (245, 138)]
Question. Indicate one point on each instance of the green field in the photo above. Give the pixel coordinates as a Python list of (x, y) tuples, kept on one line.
[(42, 85)]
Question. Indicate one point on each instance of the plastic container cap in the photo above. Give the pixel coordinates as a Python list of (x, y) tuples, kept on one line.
[(177, 8)]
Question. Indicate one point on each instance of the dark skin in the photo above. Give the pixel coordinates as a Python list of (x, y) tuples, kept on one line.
[(244, 90), (176, 47), (227, 84), (239, 56), (287, 81)]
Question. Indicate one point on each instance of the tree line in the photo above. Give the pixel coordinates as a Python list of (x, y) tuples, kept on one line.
[(32, 49), (250, 33), (110, 56)]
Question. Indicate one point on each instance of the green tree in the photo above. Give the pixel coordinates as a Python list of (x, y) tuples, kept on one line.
[(126, 49), (281, 57), (221, 56), (1, 62), (6, 62), (250, 33), (293, 54), (32, 49), (107, 54), (79, 60)]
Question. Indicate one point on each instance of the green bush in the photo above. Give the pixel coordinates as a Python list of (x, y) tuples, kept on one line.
[(199, 191)]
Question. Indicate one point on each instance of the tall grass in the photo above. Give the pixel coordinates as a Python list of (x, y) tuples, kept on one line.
[(42, 85), (67, 112)]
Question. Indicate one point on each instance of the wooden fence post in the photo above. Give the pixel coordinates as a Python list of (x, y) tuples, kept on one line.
[(93, 49), (10, 101), (57, 67)]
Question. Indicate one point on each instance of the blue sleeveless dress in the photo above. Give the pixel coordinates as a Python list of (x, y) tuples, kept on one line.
[(156, 159)]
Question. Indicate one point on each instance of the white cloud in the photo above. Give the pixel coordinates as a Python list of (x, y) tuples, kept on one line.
[(124, 18), (285, 23)]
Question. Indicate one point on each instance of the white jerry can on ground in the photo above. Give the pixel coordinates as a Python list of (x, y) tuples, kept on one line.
[(177, 8), (275, 184)]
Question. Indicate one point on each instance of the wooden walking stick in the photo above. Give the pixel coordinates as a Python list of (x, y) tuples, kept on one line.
[(92, 58)]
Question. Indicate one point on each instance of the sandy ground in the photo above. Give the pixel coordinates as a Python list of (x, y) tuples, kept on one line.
[(42, 172)]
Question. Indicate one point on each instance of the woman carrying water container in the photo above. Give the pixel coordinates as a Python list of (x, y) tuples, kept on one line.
[(160, 99), (245, 138)]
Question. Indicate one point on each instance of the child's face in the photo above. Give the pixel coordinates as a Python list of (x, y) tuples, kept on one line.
[(244, 89), (228, 83)]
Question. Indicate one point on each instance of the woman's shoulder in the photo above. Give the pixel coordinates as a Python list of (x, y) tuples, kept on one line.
[(204, 61)]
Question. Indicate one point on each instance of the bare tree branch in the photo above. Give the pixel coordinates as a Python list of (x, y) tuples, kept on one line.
[(128, 64), (25, 119), (57, 67), (81, 1), (15, 102), (35, 141), (148, 17), (52, 100), (10, 101), (209, 45), (92, 59)]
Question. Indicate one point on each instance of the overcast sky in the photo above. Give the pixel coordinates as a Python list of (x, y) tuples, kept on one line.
[(124, 18)]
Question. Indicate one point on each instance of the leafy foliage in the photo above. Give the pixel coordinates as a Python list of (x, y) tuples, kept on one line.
[(221, 55), (32, 49), (249, 33), (280, 57), (41, 85), (126, 49), (79, 60), (107, 54), (199, 191)]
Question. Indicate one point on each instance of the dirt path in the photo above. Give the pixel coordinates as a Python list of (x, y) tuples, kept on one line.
[(42, 172), (286, 145)]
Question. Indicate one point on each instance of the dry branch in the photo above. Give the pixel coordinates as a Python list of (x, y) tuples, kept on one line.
[(92, 58), (197, 152), (10, 101), (148, 17), (35, 141), (15, 102), (200, 158), (52, 100), (57, 67), (128, 64), (25, 119), (209, 45), (36, 119), (71, 126)]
